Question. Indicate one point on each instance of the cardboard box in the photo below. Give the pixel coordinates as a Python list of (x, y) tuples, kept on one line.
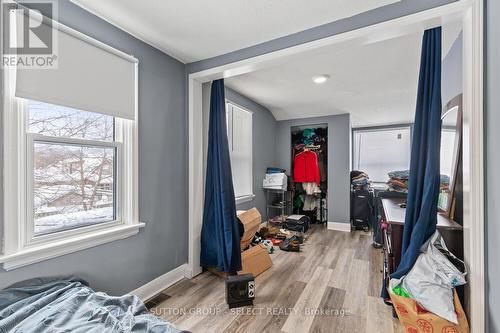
[(255, 260), (415, 319), (251, 220)]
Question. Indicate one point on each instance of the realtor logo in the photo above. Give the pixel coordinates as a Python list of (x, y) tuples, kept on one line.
[(29, 37)]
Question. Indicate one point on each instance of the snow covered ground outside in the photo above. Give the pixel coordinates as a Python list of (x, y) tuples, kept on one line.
[(59, 222)]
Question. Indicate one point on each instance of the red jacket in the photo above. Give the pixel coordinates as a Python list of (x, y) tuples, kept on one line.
[(306, 169)]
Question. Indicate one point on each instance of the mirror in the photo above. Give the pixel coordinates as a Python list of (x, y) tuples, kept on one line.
[(451, 145)]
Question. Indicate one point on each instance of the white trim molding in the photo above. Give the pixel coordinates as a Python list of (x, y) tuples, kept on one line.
[(82, 5), (244, 198), (470, 12), (64, 246), (473, 165), (156, 286), (385, 30), (339, 226), (196, 177)]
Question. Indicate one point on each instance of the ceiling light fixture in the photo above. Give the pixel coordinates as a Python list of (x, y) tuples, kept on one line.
[(319, 79)]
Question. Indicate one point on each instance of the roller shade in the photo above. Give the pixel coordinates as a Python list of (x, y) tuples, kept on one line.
[(90, 76)]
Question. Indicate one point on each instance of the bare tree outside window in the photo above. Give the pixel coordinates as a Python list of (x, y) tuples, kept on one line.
[(59, 121), (74, 185)]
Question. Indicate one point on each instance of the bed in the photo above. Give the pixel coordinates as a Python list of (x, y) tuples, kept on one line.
[(70, 305)]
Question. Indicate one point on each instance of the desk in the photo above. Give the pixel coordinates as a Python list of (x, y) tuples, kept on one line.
[(451, 231)]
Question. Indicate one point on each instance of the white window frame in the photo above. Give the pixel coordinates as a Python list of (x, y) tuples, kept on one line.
[(20, 247), (31, 238), (250, 196), (377, 129)]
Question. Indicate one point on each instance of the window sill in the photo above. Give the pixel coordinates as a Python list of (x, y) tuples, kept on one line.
[(245, 198), (34, 254)]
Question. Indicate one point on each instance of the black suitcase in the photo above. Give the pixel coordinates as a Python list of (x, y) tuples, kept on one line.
[(361, 209)]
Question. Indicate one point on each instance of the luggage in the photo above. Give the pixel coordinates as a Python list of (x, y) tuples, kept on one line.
[(297, 223), (361, 209), (311, 214)]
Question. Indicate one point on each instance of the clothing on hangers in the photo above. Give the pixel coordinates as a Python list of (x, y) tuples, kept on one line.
[(311, 203), (306, 168), (311, 188)]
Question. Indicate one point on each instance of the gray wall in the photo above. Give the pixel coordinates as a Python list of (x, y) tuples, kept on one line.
[(492, 138), (374, 16), (452, 68), (124, 265), (339, 133), (272, 144), (120, 266), (263, 146)]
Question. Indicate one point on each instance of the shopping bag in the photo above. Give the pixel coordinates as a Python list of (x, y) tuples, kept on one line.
[(415, 319)]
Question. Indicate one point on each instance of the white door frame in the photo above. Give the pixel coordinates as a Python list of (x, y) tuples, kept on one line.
[(471, 13)]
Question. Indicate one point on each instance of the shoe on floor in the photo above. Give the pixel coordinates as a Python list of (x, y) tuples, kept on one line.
[(276, 241), (297, 238), (290, 245), (280, 236)]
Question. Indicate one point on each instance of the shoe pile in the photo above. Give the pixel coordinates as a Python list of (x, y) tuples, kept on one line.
[(268, 232), (290, 245), (286, 240)]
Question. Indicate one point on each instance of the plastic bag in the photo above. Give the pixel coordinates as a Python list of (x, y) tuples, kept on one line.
[(400, 291), (434, 276)]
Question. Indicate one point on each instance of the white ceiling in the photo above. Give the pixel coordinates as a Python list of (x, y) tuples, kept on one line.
[(376, 83), (192, 30)]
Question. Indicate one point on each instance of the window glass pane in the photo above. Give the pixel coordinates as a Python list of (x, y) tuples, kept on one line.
[(54, 120), (378, 152), (240, 147), (73, 186)]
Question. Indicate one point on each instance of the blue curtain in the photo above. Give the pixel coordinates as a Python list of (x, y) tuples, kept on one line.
[(220, 241), (424, 181)]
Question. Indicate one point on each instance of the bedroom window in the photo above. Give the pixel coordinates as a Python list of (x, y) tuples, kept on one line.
[(381, 150), (70, 152), (239, 131), (73, 158)]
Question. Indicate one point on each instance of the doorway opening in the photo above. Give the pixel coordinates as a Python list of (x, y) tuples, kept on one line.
[(469, 15)]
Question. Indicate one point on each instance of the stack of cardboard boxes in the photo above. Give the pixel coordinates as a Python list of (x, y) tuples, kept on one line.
[(254, 259)]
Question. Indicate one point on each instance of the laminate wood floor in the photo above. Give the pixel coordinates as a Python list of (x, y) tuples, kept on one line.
[(332, 285)]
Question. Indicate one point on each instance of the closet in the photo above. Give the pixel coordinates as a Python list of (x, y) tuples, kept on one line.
[(309, 163)]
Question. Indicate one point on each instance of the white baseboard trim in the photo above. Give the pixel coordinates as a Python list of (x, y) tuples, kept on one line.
[(339, 226), (152, 288)]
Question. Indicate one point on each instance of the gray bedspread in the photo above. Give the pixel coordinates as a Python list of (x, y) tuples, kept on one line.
[(69, 305)]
